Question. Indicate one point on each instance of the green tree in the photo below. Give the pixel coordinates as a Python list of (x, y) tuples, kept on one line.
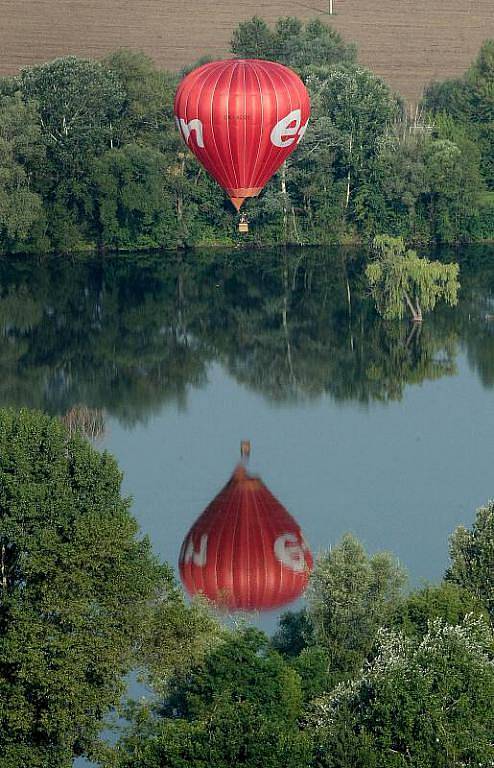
[(75, 583), (233, 735), (146, 114), (447, 601), (351, 595), (292, 43), (21, 146), (472, 557), (253, 39), (238, 706), (132, 208), (399, 278), (295, 633), (449, 96), (79, 102), (177, 638), (242, 668), (358, 109), (470, 102), (423, 186), (421, 703)]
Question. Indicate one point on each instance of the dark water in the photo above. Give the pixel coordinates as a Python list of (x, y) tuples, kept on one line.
[(356, 425)]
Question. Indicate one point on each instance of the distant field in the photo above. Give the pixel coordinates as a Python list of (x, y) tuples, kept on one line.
[(408, 43)]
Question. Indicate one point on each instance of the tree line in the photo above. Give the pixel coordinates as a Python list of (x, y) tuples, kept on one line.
[(90, 157), (369, 673)]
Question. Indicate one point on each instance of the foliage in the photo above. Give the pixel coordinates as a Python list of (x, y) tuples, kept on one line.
[(295, 633), (350, 596), (446, 601), (239, 706), (470, 102), (472, 557), (292, 43), (176, 638), (79, 102), (132, 209), (20, 145), (399, 278), (74, 590), (242, 668), (233, 735), (420, 702)]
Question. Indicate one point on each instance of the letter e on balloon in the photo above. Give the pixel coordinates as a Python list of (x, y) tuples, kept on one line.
[(287, 129), (198, 557), (289, 552)]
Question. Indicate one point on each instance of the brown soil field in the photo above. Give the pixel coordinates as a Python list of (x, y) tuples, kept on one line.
[(408, 43)]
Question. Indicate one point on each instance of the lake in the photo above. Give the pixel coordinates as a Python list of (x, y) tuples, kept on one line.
[(382, 429)]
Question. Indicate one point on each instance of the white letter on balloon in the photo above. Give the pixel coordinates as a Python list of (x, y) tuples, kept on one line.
[(289, 552), (285, 128), (199, 557), (187, 128)]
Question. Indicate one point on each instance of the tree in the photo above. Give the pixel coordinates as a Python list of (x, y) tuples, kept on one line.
[(295, 633), (292, 43), (238, 706), (424, 184), (21, 208), (447, 601), (359, 109), (79, 101), (449, 96), (177, 638), (242, 668), (420, 703), (75, 584), (350, 596), (399, 278), (472, 557), (132, 208), (146, 114), (470, 101), (253, 39)]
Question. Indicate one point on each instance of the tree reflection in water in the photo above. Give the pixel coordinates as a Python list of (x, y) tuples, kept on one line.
[(126, 334)]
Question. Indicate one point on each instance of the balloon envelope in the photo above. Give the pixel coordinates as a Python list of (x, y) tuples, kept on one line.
[(245, 552), (242, 118)]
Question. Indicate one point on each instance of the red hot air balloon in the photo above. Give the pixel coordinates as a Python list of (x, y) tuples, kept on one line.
[(245, 552), (242, 118)]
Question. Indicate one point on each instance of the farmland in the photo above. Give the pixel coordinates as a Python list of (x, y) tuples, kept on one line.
[(408, 43)]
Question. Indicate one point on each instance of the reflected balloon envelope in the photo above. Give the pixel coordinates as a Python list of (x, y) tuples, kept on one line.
[(245, 552)]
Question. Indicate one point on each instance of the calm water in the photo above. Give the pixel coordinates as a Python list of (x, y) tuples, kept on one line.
[(356, 425)]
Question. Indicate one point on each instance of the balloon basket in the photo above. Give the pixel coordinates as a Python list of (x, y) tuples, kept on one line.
[(243, 225)]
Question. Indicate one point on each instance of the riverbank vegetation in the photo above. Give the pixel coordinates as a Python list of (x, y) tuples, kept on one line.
[(369, 673), (90, 157)]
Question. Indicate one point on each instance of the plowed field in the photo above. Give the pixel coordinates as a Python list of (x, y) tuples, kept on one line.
[(408, 43)]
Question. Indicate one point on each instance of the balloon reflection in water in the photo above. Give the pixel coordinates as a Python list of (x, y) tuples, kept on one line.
[(245, 552)]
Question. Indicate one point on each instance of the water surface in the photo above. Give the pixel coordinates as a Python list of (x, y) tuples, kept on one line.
[(356, 424)]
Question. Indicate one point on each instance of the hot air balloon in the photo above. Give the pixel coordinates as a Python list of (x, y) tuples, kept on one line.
[(242, 118), (245, 552)]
